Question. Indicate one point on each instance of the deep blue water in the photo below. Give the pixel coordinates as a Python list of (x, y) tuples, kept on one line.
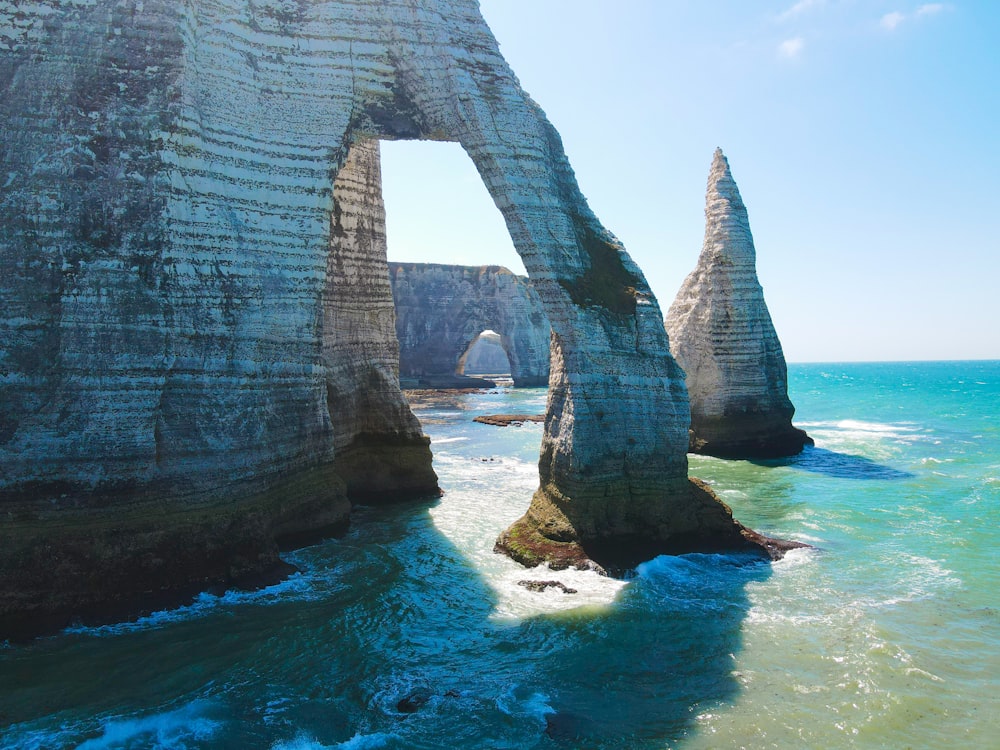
[(885, 635)]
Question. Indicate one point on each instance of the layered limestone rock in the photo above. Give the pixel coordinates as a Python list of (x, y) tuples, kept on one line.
[(442, 309), (722, 336), (170, 382), (379, 449)]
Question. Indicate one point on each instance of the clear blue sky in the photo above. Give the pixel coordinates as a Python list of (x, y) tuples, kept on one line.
[(864, 136)]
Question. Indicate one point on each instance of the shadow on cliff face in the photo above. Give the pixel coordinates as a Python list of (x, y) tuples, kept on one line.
[(837, 465)]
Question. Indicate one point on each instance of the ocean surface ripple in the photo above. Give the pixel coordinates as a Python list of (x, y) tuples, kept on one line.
[(409, 632)]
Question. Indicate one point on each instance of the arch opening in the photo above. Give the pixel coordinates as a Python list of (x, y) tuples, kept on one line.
[(486, 357), (452, 219)]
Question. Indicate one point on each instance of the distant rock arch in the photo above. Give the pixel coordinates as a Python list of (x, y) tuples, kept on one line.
[(441, 310), (485, 356)]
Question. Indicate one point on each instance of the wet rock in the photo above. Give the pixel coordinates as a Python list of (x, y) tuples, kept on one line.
[(505, 420), (414, 700), (564, 726), (540, 586)]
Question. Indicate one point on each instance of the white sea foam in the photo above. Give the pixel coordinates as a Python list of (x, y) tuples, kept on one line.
[(795, 558), (375, 741), (519, 703), (369, 741), (20, 738), (922, 577), (855, 424), (856, 427), (302, 742), (164, 730), (515, 601)]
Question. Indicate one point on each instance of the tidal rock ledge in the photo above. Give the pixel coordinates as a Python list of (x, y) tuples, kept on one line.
[(692, 519)]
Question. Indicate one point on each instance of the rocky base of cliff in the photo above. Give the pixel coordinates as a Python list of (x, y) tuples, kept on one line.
[(532, 541), (105, 560), (381, 468), (72, 555), (747, 438)]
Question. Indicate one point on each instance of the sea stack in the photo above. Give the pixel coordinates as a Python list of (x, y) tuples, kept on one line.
[(721, 334)]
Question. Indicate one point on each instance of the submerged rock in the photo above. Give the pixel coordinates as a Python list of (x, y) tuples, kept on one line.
[(722, 336), (541, 586), (414, 700)]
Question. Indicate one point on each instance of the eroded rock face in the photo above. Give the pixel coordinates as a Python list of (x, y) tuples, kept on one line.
[(722, 336), (379, 449), (442, 309), (171, 342)]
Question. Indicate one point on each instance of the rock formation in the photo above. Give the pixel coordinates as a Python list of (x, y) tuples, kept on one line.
[(173, 257), (379, 449), (442, 309), (722, 336), (487, 356)]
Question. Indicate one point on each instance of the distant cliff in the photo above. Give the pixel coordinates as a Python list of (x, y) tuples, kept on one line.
[(442, 309), (722, 336)]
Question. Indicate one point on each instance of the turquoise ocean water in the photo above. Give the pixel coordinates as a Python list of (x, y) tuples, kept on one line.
[(887, 634)]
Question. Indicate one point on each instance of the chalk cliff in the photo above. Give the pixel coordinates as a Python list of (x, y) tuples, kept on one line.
[(442, 309), (175, 396), (722, 336)]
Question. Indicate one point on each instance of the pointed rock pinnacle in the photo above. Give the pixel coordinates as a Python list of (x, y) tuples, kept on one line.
[(722, 335)]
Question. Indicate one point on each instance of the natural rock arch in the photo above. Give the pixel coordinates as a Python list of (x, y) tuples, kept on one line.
[(169, 386), (485, 356), (441, 310)]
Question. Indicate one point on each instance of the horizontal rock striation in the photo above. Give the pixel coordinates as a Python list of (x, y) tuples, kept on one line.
[(170, 409), (722, 336), (441, 310), (380, 451), (177, 380)]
